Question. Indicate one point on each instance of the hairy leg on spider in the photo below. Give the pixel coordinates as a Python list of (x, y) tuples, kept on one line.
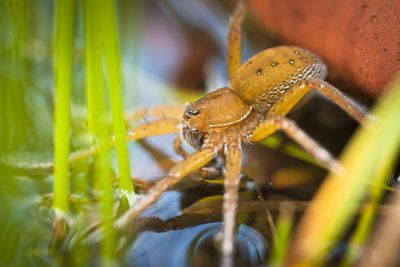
[(164, 111), (176, 174), (294, 94), (290, 128), (231, 185), (275, 120), (154, 128), (206, 172), (235, 40)]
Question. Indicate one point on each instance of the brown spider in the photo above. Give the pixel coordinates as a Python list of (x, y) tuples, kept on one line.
[(261, 92)]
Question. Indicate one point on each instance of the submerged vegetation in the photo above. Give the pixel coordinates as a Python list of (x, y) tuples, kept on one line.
[(64, 88)]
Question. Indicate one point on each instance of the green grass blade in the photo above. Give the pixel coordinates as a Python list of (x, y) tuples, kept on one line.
[(108, 19), (63, 53), (104, 174), (15, 121), (94, 74)]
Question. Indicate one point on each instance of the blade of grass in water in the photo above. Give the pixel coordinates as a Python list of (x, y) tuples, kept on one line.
[(104, 174), (367, 160), (14, 114), (94, 77), (64, 46), (97, 125), (108, 24), (80, 253)]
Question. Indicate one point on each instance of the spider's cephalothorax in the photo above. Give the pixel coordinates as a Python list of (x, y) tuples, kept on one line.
[(207, 118)]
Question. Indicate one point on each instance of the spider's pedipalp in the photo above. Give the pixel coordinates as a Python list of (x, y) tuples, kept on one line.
[(178, 147)]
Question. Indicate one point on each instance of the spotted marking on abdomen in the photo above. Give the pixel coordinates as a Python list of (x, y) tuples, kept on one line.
[(265, 101)]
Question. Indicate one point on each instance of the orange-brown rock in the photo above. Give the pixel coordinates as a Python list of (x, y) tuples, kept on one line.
[(359, 39)]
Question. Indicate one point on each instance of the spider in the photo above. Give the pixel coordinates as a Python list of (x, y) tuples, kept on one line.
[(261, 92)]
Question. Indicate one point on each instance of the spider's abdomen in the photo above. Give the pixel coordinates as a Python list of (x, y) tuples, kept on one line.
[(265, 77)]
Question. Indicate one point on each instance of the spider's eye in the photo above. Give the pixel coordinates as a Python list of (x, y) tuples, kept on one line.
[(189, 112), (194, 111)]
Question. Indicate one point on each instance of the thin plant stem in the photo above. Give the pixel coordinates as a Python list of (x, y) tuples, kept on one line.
[(64, 46), (111, 49), (95, 103), (14, 115), (94, 77), (104, 174)]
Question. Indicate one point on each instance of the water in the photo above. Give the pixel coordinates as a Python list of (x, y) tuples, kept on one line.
[(191, 246)]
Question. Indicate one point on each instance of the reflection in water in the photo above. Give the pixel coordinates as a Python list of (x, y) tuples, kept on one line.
[(166, 207), (194, 246)]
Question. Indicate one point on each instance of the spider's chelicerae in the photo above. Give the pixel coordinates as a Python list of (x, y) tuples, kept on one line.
[(261, 92)]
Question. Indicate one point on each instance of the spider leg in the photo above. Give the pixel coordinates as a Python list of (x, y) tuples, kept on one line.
[(176, 174), (231, 184), (294, 94), (164, 112), (205, 172), (235, 40), (159, 127), (290, 128)]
